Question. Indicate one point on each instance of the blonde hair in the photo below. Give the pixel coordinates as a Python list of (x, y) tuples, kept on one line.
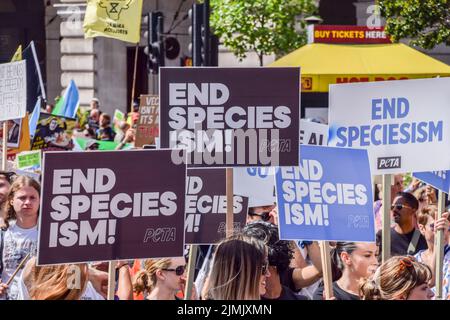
[(395, 278), (427, 211), (53, 282), (236, 269), (145, 280), (19, 183)]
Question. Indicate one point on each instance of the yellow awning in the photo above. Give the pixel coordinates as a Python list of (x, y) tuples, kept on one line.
[(324, 64)]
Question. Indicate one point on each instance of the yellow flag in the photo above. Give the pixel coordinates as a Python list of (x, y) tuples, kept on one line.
[(118, 19), (18, 55)]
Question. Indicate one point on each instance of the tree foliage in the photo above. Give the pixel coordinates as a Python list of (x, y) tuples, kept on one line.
[(426, 22), (264, 26)]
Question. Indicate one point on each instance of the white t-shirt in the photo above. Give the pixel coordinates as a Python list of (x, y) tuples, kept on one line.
[(89, 293), (17, 243)]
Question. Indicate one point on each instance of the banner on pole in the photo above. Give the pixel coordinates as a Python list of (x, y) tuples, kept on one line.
[(95, 206), (206, 207), (395, 121), (328, 197), (119, 19), (231, 117)]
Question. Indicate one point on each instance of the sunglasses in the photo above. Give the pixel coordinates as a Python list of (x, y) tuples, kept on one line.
[(179, 271), (399, 206), (265, 216)]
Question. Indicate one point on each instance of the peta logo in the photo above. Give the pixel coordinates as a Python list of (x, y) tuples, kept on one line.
[(389, 162), (114, 7)]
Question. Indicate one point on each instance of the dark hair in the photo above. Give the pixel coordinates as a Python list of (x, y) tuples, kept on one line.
[(410, 199), (280, 251), (8, 175), (337, 265)]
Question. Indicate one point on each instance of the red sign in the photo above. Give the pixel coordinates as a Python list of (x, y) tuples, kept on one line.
[(348, 34)]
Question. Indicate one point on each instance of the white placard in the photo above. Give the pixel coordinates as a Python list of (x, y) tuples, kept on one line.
[(13, 90), (404, 124)]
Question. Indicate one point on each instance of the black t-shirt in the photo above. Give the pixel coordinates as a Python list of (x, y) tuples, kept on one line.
[(286, 279), (287, 294), (338, 292), (400, 243)]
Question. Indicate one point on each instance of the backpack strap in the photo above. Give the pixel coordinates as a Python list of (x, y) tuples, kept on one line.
[(413, 244)]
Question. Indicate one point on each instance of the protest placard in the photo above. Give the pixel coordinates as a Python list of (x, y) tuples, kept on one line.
[(13, 90), (148, 124), (14, 129), (395, 121), (255, 183), (53, 133), (231, 117), (313, 133), (258, 183), (206, 206), (117, 118), (438, 179), (328, 197), (95, 206), (29, 160)]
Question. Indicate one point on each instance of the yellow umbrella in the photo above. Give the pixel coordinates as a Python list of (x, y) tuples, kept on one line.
[(324, 64)]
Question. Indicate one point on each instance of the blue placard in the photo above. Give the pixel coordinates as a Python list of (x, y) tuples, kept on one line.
[(438, 179), (328, 197)]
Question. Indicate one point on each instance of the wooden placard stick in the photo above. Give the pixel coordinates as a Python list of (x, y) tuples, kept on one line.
[(17, 269), (229, 191), (5, 144), (190, 272), (386, 229), (326, 267), (111, 280), (439, 248)]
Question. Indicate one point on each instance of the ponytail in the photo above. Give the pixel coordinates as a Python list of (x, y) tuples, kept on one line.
[(336, 265), (142, 282), (369, 289)]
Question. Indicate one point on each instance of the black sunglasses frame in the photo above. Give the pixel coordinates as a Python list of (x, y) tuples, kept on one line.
[(179, 271)]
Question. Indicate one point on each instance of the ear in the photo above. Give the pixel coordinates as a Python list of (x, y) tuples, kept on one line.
[(345, 257), (421, 229), (160, 275)]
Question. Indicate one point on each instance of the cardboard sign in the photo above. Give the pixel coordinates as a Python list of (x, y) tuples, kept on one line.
[(206, 207), (438, 179), (95, 206), (148, 123), (231, 117), (117, 118), (13, 90), (258, 183), (14, 130), (396, 121), (313, 133), (255, 183), (328, 197), (53, 133), (29, 160)]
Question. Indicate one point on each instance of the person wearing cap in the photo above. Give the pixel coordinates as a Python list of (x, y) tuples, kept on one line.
[(91, 145)]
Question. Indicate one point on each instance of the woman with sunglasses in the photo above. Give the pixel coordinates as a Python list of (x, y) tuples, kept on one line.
[(428, 227), (161, 279), (239, 270), (398, 278)]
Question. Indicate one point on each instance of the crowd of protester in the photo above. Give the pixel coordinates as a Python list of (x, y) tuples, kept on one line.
[(252, 264)]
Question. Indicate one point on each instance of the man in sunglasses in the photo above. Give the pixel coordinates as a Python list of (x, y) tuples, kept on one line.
[(262, 213), (405, 237)]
